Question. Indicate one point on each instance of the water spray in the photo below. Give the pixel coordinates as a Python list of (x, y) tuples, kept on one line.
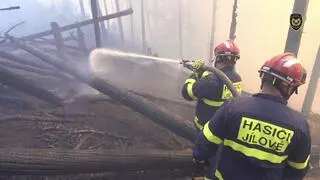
[(111, 57)]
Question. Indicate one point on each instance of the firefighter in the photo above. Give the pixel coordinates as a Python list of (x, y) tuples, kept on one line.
[(262, 137), (205, 87)]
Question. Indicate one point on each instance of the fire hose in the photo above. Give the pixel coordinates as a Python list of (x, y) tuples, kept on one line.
[(189, 65)]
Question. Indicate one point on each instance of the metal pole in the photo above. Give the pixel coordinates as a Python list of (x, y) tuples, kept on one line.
[(119, 21), (143, 33), (294, 37), (94, 9), (180, 28), (233, 24), (213, 29), (311, 91)]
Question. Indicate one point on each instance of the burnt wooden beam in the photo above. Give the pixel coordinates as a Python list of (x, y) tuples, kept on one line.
[(11, 79), (156, 113), (61, 162), (79, 24), (35, 70), (23, 61), (68, 47)]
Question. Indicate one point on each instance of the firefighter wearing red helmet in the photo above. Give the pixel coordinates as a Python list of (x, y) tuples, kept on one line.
[(207, 89), (262, 137)]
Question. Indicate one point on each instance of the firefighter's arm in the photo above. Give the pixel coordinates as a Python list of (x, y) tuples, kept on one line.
[(187, 89), (298, 161), (213, 134), (197, 88)]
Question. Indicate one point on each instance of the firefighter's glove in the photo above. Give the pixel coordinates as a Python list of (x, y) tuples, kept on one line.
[(198, 166), (197, 65), (194, 76)]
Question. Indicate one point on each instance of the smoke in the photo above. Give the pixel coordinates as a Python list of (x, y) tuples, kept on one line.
[(261, 30), (261, 33)]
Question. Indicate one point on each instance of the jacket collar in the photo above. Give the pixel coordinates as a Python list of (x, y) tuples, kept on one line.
[(271, 97)]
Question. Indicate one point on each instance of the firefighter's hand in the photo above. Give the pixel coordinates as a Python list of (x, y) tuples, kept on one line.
[(198, 167), (197, 65)]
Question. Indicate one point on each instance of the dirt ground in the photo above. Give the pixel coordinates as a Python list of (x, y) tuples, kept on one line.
[(91, 125)]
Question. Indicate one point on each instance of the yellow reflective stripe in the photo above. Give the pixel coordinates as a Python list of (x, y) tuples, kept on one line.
[(256, 153), (204, 74), (226, 94), (190, 81), (197, 124), (190, 91), (299, 165), (209, 135), (218, 175), (212, 103)]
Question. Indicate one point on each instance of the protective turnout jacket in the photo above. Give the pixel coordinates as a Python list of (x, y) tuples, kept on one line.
[(262, 139), (210, 93)]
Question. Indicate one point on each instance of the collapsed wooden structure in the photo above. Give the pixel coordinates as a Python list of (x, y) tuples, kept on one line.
[(57, 162), (61, 67)]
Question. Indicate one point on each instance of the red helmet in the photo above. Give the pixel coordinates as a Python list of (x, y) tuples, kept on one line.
[(286, 68), (227, 48)]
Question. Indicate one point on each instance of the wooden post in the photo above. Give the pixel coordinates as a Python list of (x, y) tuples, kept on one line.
[(83, 14), (105, 7), (313, 83), (81, 39), (58, 40), (131, 23), (143, 30), (119, 21), (94, 10), (213, 29), (103, 27), (294, 37)]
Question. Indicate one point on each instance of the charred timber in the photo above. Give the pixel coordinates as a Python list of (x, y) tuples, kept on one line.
[(11, 79), (35, 70), (156, 113), (83, 50), (61, 162), (23, 61), (80, 24)]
